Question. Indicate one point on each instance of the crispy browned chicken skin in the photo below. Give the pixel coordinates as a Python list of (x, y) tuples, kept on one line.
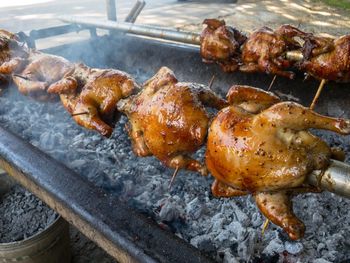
[(265, 50), (91, 95), (13, 53), (221, 44), (265, 149), (327, 58), (167, 119), (41, 71)]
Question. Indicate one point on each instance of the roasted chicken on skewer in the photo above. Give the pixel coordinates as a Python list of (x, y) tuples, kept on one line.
[(265, 50), (276, 52), (221, 44), (168, 119), (41, 71), (261, 146), (326, 59), (91, 95)]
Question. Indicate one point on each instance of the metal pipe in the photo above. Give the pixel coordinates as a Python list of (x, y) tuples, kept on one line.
[(111, 10), (150, 31), (295, 55), (335, 179), (135, 11)]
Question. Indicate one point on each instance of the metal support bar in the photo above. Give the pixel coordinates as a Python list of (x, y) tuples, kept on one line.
[(143, 30), (135, 11), (111, 10), (335, 179), (54, 31), (125, 234), (47, 32), (93, 32)]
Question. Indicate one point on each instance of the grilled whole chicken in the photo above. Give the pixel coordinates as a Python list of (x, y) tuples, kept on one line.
[(326, 58), (13, 53), (41, 71), (265, 50), (91, 95), (221, 44), (265, 149), (167, 119)]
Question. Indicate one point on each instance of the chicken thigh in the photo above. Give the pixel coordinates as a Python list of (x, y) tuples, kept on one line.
[(265, 150), (221, 44), (91, 95), (167, 119)]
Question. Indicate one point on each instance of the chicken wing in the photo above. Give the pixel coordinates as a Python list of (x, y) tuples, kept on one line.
[(168, 119), (266, 150), (91, 95)]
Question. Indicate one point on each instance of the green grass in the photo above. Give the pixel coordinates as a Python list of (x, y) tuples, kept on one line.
[(345, 4)]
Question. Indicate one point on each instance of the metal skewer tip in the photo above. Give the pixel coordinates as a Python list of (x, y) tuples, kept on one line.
[(79, 113), (173, 178)]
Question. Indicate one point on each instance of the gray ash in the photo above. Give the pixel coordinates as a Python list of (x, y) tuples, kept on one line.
[(22, 215), (229, 230)]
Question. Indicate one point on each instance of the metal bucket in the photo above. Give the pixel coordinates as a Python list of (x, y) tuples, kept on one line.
[(52, 245)]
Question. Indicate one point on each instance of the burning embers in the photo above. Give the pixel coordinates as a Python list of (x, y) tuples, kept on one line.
[(155, 128)]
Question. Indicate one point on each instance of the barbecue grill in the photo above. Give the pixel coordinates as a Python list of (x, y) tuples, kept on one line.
[(120, 201)]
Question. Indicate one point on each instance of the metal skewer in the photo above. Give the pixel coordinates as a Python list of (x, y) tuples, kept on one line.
[(335, 179), (173, 178), (318, 93), (272, 82), (295, 55), (152, 31)]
